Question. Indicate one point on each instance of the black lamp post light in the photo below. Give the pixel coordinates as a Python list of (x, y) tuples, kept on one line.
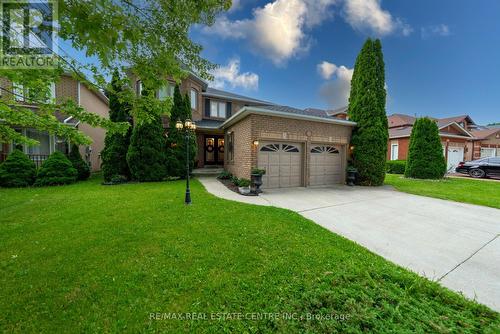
[(187, 127)]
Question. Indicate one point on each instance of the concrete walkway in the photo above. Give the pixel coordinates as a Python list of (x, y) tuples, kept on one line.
[(454, 243)]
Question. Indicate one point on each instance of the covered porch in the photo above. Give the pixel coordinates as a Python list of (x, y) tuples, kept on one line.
[(210, 141)]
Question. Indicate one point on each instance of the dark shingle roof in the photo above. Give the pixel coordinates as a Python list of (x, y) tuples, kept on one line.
[(308, 112), (231, 96)]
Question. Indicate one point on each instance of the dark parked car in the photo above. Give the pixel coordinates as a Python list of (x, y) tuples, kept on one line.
[(480, 168)]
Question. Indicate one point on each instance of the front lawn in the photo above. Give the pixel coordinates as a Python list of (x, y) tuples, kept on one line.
[(91, 258), (479, 192)]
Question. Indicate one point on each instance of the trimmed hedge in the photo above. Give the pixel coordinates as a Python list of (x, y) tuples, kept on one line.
[(56, 170), (395, 166), (17, 171), (78, 163), (425, 155)]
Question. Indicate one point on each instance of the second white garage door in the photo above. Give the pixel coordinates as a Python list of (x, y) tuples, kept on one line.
[(325, 165), (283, 164)]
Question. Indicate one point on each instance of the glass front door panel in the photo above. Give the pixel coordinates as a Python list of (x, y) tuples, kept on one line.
[(209, 150)]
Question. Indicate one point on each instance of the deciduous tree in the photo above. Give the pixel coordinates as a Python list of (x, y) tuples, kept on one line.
[(149, 38)]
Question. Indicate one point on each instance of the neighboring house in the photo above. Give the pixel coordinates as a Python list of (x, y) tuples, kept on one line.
[(296, 147), (66, 87), (461, 137), (486, 143), (453, 132)]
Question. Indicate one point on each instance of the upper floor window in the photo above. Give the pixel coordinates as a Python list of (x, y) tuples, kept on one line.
[(138, 87), (18, 91), (166, 91), (217, 109), (194, 98)]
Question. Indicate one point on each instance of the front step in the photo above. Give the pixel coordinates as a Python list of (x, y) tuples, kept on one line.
[(207, 171)]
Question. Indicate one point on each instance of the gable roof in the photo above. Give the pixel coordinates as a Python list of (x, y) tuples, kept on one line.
[(400, 125), (396, 120), (458, 119), (442, 125), (485, 133), (212, 92), (285, 112)]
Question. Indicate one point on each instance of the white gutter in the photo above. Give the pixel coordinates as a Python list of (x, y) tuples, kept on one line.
[(225, 97), (245, 111), (440, 135)]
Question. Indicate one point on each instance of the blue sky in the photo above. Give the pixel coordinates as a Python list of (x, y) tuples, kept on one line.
[(442, 57)]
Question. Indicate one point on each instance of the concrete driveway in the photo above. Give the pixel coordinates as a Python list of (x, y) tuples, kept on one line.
[(453, 243)]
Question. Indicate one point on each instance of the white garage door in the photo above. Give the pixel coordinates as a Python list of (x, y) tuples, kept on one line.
[(325, 165), (283, 164), (455, 155)]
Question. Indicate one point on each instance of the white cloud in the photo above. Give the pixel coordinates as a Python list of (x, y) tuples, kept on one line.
[(230, 75), (438, 30), (368, 15), (326, 69), (335, 92), (279, 29)]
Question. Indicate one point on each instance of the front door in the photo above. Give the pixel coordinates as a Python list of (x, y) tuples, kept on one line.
[(214, 150)]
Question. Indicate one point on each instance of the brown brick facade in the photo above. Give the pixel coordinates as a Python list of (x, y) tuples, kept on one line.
[(474, 147), (403, 146), (69, 88), (271, 128)]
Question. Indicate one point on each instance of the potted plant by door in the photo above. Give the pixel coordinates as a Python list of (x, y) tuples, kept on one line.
[(351, 175), (244, 186), (256, 177)]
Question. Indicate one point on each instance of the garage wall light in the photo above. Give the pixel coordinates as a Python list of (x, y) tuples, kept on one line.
[(256, 143)]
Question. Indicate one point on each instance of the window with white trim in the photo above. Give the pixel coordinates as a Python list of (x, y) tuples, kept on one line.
[(138, 87), (230, 146), (43, 148), (394, 151), (18, 91), (194, 98), (217, 109), (166, 91), (487, 152), (52, 92)]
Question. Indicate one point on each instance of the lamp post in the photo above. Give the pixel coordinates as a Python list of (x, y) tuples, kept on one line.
[(188, 126)]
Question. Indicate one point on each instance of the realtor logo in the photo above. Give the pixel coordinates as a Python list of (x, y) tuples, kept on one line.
[(28, 36)]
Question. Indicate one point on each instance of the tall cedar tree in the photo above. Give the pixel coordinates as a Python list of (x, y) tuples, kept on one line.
[(78, 163), (425, 155), (146, 152), (176, 142), (114, 155), (367, 109)]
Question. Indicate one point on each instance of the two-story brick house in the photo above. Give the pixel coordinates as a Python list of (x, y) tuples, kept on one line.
[(296, 147), (66, 88)]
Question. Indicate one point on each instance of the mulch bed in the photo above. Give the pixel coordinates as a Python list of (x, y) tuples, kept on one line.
[(230, 185)]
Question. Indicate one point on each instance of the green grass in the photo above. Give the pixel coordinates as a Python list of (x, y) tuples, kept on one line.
[(91, 258), (479, 192)]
